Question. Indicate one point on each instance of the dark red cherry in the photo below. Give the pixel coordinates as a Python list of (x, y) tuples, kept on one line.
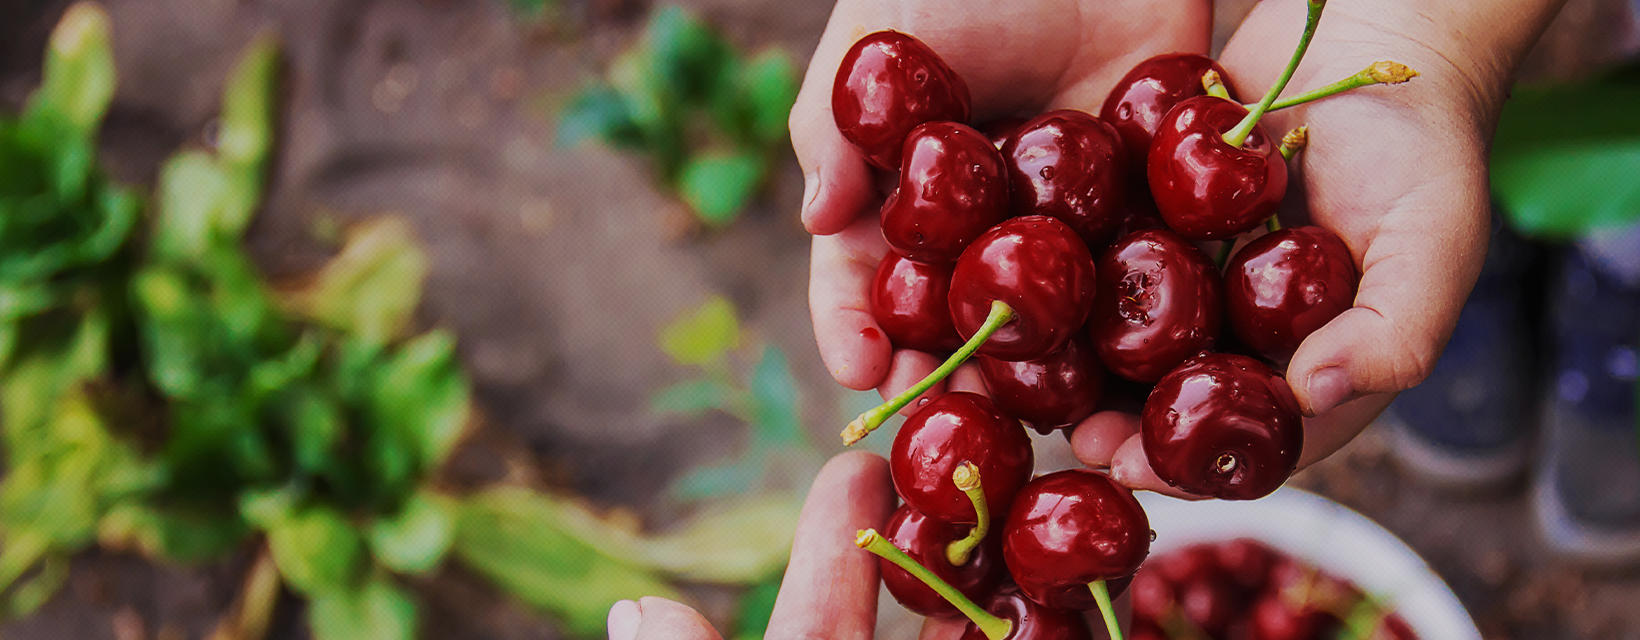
[(1052, 392), (1222, 426), (949, 430), (1038, 266), (1272, 617), (1152, 595), (1247, 561), (952, 188), (1204, 188), (1210, 601), (1032, 621), (887, 84), (1159, 302), (1069, 165), (1283, 286), (925, 540), (1069, 528), (910, 301), (1144, 96)]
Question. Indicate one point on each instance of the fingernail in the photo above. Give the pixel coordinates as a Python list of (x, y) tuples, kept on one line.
[(624, 617), (811, 189), (1328, 388)]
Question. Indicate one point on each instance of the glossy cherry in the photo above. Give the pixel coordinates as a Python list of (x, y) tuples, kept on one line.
[(1222, 426), (1247, 561), (1286, 284), (1159, 302), (949, 430), (1204, 188), (909, 300), (925, 540), (1038, 266), (887, 84), (1052, 392), (952, 188), (1069, 528), (1031, 621), (1272, 617), (1069, 165), (1144, 96)]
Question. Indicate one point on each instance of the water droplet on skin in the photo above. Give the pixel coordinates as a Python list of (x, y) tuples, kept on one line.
[(922, 401)]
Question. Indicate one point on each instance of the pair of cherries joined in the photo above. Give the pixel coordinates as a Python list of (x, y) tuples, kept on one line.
[(1043, 249)]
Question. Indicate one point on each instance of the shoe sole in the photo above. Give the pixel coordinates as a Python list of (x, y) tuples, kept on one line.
[(1441, 467)]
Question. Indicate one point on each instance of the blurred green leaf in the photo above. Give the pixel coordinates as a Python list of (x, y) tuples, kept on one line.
[(769, 82), (415, 539), (757, 608), (192, 201), (691, 397), (421, 394), (28, 596), (703, 335), (248, 107), (78, 80), (317, 550), (718, 186), (378, 610), (775, 401), (706, 482), (175, 535), (515, 538), (269, 507), (1564, 157), (597, 112), (686, 52), (370, 290)]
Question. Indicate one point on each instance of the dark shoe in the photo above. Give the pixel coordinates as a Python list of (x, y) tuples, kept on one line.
[(1586, 492)]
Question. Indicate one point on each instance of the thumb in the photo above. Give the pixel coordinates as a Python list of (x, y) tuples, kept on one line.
[(658, 619), (837, 182)]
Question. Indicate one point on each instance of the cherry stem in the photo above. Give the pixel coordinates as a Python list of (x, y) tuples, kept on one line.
[(1101, 594), (1225, 248), (966, 478), (1272, 225), (1293, 141), (1238, 135), (994, 627), (1215, 85), (1383, 72), (868, 422)]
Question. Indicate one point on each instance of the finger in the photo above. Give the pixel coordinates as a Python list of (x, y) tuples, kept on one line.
[(841, 268), (661, 619), (969, 379), (1111, 47), (1096, 439), (837, 182), (907, 368), (830, 588), (1130, 468), (1325, 434)]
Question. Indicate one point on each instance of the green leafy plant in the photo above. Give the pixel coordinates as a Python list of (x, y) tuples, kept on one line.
[(711, 120), (161, 396)]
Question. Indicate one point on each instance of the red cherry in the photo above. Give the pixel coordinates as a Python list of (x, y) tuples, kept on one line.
[(1053, 392), (999, 130), (1247, 561), (1069, 165), (925, 540), (1036, 265), (1032, 621), (910, 302), (949, 430), (1204, 188), (1152, 595), (1159, 303), (1210, 601), (1223, 426), (1144, 96), (1272, 618), (887, 84), (952, 188), (1069, 528), (1283, 286)]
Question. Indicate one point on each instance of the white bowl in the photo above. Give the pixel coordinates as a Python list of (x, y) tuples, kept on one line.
[(1328, 535)]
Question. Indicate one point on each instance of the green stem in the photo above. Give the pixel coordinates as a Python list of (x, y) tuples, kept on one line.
[(994, 627), (1001, 313), (1239, 134), (1385, 72), (1225, 247), (1215, 85), (1293, 141), (1101, 594), (966, 478), (1272, 225)]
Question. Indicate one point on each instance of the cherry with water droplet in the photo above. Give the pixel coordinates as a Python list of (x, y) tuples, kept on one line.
[(1070, 528), (955, 428), (1041, 269), (1222, 426), (1144, 96), (1069, 165), (1286, 284), (888, 83), (909, 300), (951, 189), (1159, 302)]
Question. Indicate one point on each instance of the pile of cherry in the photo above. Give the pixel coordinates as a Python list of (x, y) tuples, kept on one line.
[(1244, 589), (1058, 251)]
